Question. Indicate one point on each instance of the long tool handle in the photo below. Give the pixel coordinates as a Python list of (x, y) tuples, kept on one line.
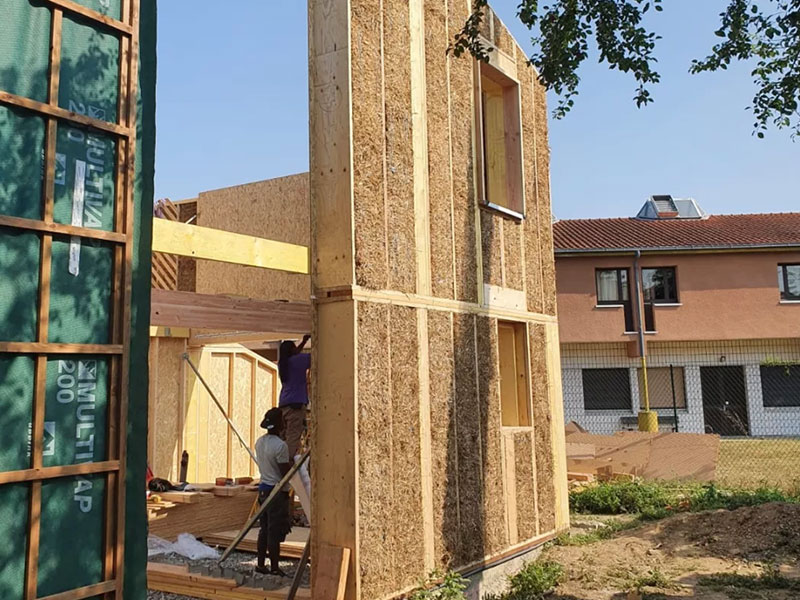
[(252, 520), (222, 410), (301, 566)]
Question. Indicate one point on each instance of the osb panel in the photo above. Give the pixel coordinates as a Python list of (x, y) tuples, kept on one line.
[(217, 440), (399, 148), (492, 247), (533, 262), (444, 442), (276, 209), (264, 398), (376, 509), (369, 200), (513, 255), (542, 422), (439, 181), (408, 533), (524, 478), (472, 544), (167, 405), (545, 213), (496, 537), (461, 142), (242, 403), (187, 267)]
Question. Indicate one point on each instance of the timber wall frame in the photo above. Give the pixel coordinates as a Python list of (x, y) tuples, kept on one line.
[(118, 350), (410, 275)]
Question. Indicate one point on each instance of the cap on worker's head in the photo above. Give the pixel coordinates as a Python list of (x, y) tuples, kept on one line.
[(272, 419)]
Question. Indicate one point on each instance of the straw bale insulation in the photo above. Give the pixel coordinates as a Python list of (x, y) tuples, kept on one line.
[(439, 482)]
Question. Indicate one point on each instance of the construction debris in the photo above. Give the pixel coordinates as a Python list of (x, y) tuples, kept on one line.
[(629, 454)]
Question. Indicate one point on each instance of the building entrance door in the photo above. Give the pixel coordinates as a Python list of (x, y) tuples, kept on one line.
[(724, 400)]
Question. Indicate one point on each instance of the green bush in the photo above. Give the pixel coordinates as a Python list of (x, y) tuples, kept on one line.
[(441, 586), (533, 582)]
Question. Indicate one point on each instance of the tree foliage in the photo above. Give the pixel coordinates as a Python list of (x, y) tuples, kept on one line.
[(764, 32)]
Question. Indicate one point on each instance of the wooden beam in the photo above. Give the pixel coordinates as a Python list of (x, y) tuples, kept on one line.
[(42, 473), (171, 332), (62, 113), (89, 591), (208, 311), (172, 237)]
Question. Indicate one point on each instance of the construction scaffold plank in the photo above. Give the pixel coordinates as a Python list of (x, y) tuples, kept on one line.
[(223, 246)]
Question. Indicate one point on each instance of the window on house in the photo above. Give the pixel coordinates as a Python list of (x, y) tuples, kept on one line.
[(612, 286), (606, 389), (660, 387), (780, 385), (789, 281), (514, 397), (659, 285), (499, 130)]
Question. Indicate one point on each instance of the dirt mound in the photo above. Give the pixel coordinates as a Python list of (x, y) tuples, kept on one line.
[(672, 555), (770, 532)]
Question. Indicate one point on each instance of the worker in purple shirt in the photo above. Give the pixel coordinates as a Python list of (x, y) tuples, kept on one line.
[(293, 366)]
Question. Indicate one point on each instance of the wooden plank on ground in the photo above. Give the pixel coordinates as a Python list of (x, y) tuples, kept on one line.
[(331, 572), (291, 548)]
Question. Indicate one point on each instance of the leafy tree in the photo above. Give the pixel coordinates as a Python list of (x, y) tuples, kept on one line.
[(766, 32)]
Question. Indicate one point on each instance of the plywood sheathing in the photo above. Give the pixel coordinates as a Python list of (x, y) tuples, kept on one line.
[(440, 182), (187, 267), (542, 420), (167, 406), (444, 453), (275, 209), (494, 505), (369, 145)]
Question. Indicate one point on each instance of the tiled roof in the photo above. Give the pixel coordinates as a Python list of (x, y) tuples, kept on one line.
[(716, 231)]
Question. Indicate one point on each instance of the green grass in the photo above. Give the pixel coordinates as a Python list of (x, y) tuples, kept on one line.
[(655, 500), (758, 463), (734, 584), (654, 578)]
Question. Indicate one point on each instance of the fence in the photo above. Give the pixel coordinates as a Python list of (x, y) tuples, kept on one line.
[(747, 392)]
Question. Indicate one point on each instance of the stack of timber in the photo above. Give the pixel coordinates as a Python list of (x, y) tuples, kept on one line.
[(291, 548), (200, 513), (176, 579), (628, 454)]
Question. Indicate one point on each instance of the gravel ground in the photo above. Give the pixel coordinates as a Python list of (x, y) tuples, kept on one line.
[(243, 562)]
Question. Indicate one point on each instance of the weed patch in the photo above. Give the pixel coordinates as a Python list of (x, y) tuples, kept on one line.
[(533, 582), (441, 586), (656, 500)]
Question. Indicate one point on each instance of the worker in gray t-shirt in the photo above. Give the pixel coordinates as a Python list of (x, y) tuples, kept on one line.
[(273, 463)]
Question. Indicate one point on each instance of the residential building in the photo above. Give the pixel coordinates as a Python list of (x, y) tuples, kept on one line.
[(718, 300)]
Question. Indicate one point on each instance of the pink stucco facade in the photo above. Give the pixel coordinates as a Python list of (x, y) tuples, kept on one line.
[(722, 296)]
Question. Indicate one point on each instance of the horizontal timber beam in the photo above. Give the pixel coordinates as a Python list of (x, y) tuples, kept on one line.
[(208, 311), (172, 237), (42, 473)]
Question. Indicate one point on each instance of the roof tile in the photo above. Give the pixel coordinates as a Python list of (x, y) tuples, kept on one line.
[(716, 231)]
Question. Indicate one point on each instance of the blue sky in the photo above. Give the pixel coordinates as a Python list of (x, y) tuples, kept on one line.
[(232, 108)]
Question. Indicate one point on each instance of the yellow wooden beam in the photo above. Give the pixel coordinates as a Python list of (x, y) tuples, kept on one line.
[(172, 237), (175, 332)]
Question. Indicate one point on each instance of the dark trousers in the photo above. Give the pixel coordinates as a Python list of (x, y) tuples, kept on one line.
[(275, 525)]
